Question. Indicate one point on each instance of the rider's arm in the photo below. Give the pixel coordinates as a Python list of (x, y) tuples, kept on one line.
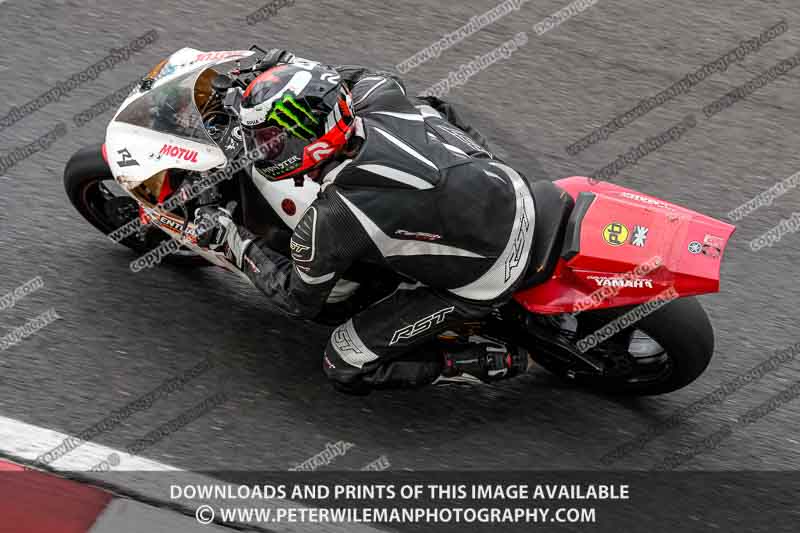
[(380, 93), (451, 114), (352, 74), (371, 85), (324, 245)]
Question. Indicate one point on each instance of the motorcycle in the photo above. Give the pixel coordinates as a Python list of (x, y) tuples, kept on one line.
[(608, 301)]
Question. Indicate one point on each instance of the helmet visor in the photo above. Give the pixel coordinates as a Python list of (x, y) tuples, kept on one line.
[(270, 140)]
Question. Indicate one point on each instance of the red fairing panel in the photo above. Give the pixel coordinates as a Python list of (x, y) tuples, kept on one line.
[(621, 230)]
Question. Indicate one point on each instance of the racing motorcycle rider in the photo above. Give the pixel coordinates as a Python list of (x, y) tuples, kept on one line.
[(402, 188)]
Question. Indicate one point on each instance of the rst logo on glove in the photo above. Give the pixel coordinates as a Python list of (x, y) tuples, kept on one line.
[(423, 324)]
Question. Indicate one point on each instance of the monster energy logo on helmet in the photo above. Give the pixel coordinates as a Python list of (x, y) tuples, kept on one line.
[(295, 118)]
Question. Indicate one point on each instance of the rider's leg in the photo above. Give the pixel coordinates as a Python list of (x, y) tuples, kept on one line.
[(393, 343)]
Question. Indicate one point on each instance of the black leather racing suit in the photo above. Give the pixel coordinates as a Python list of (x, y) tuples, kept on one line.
[(421, 198)]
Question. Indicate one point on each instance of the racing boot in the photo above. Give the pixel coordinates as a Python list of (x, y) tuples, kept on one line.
[(485, 361)]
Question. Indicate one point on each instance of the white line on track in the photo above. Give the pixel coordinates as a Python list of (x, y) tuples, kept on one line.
[(26, 442)]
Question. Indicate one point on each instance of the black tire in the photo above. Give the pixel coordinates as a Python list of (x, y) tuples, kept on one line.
[(683, 330), (85, 170)]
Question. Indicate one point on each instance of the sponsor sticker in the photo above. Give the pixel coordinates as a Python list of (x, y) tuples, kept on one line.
[(712, 246), (644, 200), (282, 167), (639, 236), (179, 153), (216, 56), (620, 282), (615, 234)]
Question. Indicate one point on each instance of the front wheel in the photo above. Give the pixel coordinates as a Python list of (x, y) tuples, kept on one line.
[(94, 193), (662, 352)]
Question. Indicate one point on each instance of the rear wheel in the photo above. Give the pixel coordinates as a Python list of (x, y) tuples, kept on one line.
[(99, 199), (660, 353)]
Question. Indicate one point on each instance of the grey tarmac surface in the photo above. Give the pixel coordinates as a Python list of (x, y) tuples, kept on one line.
[(122, 334)]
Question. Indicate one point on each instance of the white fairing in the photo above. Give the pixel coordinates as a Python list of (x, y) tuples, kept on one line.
[(275, 192), (153, 150), (145, 146)]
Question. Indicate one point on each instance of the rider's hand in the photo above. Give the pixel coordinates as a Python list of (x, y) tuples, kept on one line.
[(275, 56), (217, 231)]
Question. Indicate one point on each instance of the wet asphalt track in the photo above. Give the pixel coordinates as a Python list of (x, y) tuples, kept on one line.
[(123, 333)]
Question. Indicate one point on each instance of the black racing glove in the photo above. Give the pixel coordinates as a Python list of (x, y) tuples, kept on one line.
[(217, 231), (275, 56)]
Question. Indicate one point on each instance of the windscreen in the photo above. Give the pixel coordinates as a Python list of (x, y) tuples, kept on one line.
[(170, 108)]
